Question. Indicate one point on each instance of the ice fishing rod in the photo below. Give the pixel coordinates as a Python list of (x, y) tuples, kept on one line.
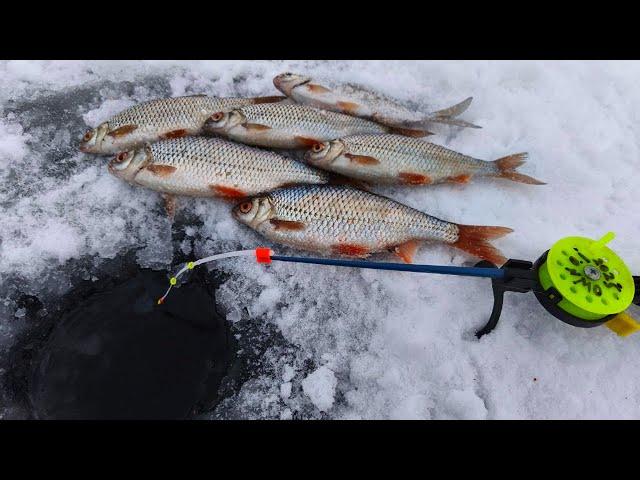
[(579, 281)]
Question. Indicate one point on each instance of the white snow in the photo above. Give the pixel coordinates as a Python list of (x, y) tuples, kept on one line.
[(320, 387), (364, 344), (13, 145)]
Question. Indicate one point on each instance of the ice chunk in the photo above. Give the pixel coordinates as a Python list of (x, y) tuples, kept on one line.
[(285, 390), (288, 373), (320, 387)]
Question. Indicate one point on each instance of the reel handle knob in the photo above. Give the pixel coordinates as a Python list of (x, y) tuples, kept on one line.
[(597, 245), (623, 324)]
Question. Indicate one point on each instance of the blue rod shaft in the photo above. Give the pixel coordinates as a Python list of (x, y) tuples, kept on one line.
[(400, 267)]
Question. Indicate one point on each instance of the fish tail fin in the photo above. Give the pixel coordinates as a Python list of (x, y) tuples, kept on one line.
[(506, 167), (274, 99), (474, 239), (446, 116)]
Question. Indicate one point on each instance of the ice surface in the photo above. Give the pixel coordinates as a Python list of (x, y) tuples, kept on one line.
[(354, 344)]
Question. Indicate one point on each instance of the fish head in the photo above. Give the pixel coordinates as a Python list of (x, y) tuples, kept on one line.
[(254, 211), (224, 121), (126, 165), (285, 82), (322, 154), (92, 140)]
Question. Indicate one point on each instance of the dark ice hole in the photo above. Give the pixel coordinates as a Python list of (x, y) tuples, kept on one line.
[(113, 353)]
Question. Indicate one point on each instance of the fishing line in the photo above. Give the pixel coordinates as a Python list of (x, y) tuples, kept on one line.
[(191, 265), (266, 255)]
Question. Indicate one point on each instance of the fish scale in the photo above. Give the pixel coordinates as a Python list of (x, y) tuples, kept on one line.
[(162, 118), (342, 220), (323, 123), (216, 167), (403, 154), (396, 159), (361, 102), (360, 217), (174, 113), (289, 125)]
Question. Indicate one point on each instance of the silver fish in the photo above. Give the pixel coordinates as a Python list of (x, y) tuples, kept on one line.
[(346, 221), (360, 102), (159, 119), (210, 167), (292, 126), (394, 159)]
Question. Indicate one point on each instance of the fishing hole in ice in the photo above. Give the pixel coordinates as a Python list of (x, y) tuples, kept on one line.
[(110, 352)]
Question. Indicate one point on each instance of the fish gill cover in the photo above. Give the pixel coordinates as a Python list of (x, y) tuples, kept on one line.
[(334, 342)]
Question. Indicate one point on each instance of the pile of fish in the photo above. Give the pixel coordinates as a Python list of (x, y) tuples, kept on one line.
[(216, 147)]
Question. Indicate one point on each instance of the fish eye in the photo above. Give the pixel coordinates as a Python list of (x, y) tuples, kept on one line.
[(87, 136), (245, 207), (122, 156), (216, 117), (317, 147)]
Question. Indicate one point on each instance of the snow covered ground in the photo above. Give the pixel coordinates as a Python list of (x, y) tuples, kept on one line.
[(361, 344)]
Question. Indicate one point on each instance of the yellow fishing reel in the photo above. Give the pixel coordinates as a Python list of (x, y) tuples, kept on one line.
[(579, 281), (586, 284)]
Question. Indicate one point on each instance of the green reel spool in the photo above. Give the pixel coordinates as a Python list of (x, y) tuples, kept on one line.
[(592, 279)]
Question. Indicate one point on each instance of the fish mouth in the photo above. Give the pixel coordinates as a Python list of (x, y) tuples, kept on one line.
[(287, 86)]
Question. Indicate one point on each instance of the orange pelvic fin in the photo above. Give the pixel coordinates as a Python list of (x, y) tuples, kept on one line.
[(315, 88), (348, 107), (175, 134), (350, 250), (256, 127), (161, 170), (414, 178), (121, 131), (287, 224), (306, 141), (461, 179), (169, 204), (227, 192), (407, 250), (362, 159)]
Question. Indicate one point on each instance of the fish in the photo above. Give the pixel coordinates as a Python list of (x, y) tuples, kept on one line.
[(159, 119), (360, 102), (342, 220), (209, 167), (291, 126), (394, 159)]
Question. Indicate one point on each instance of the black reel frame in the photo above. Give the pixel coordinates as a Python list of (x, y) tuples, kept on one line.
[(521, 276)]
